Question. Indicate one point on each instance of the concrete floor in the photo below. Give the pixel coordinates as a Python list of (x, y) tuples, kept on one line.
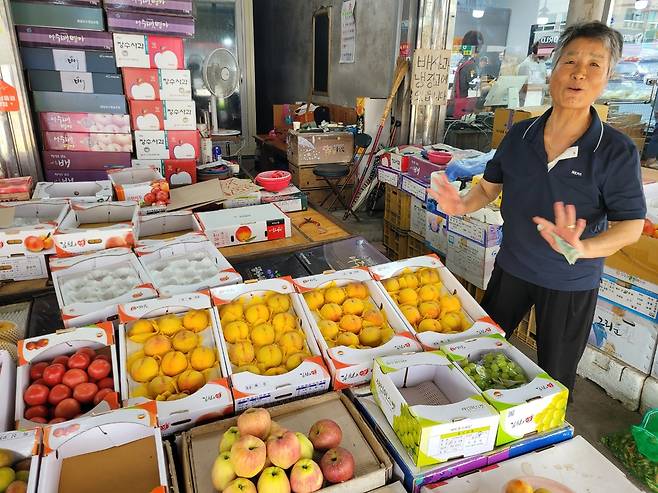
[(593, 414)]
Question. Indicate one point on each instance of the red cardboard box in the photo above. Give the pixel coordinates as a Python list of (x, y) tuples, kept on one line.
[(148, 51), (163, 115), (179, 172), (152, 84), (160, 144)]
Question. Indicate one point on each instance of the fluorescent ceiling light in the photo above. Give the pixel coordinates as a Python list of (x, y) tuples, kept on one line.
[(641, 4), (542, 20), (478, 13)]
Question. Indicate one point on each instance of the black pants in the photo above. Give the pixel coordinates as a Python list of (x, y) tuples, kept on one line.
[(564, 320)]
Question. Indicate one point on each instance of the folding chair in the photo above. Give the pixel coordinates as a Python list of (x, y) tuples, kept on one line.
[(333, 173)]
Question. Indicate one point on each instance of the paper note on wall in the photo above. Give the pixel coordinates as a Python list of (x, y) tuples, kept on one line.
[(347, 32), (429, 76)]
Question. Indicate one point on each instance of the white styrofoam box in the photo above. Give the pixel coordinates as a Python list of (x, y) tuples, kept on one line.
[(624, 334), (571, 466), (8, 390), (620, 382), (418, 216), (72, 269), (649, 397), (388, 175), (23, 268), (24, 445), (436, 231), (81, 191), (414, 187), (482, 232), (630, 292), (470, 260)]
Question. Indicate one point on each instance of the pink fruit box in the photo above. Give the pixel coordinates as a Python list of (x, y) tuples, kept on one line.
[(87, 142), (31, 226), (85, 122), (92, 227), (482, 323), (353, 366), (213, 400), (152, 254), (79, 310), (24, 445), (252, 390), (99, 337), (123, 448)]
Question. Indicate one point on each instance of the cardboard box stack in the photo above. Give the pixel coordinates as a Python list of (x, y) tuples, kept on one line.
[(158, 88), (76, 90)]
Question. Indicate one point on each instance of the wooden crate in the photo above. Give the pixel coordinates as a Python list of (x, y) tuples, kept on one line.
[(395, 241), (303, 177), (317, 195), (416, 246), (373, 465), (397, 207), (527, 329)]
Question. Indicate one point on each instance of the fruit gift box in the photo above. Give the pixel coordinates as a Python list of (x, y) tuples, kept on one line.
[(19, 461), (67, 374), (145, 186), (7, 389), (90, 287), (185, 264), (92, 227), (169, 352), (437, 413), (434, 305), (28, 227), (353, 322), (82, 191), (268, 346), (119, 450), (526, 397)]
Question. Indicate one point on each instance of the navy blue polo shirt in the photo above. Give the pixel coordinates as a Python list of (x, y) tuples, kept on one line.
[(601, 177)]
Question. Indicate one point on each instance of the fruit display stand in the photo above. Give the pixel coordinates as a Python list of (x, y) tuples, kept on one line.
[(573, 466), (373, 465), (291, 366), (7, 390), (91, 227), (428, 271), (535, 402), (119, 450), (156, 337), (27, 228), (19, 452), (185, 264), (90, 287), (415, 477), (86, 191), (349, 358), (437, 413), (46, 366)]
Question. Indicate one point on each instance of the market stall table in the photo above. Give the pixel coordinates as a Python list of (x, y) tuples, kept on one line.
[(271, 151)]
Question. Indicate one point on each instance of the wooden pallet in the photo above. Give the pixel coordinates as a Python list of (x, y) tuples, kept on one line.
[(527, 330), (395, 241)]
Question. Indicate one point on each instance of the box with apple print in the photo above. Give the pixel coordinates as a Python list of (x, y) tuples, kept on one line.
[(146, 186), (90, 287), (157, 84), (30, 226), (92, 227), (148, 51), (163, 115), (173, 144)]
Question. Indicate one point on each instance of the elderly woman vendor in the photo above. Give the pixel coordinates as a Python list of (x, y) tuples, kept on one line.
[(564, 176)]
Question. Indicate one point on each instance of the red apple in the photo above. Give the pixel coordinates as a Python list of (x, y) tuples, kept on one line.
[(36, 370), (325, 434), (337, 465), (305, 477), (88, 351), (53, 374), (162, 196), (61, 359), (285, 450), (248, 455), (255, 421), (149, 198), (79, 360)]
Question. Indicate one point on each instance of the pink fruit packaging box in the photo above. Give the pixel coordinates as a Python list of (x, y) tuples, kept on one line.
[(71, 161), (87, 142), (85, 122), (145, 22), (64, 38)]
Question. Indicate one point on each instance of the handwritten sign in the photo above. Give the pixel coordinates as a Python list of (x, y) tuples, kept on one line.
[(8, 97), (347, 32), (429, 76)]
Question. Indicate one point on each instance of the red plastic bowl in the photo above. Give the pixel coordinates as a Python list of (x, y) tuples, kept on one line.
[(273, 181), (439, 157)]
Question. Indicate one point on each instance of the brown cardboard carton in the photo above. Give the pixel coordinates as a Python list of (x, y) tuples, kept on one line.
[(319, 148)]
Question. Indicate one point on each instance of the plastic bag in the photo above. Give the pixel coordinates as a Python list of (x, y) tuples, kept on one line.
[(467, 168), (496, 371), (624, 447), (645, 435)]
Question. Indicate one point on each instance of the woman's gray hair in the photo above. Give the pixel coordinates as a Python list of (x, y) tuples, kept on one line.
[(611, 38)]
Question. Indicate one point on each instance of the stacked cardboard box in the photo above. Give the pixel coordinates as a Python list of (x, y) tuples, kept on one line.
[(77, 92)]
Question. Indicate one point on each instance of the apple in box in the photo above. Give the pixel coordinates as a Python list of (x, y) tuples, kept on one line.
[(148, 51), (179, 172), (161, 144)]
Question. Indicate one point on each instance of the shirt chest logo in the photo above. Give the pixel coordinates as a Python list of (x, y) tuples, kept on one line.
[(576, 173)]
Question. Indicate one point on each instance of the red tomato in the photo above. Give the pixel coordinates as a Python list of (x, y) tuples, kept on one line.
[(75, 377), (36, 411), (36, 370), (38, 419), (79, 360), (53, 374), (68, 408), (88, 351), (161, 196), (103, 356), (61, 359), (58, 393), (54, 421), (36, 395), (99, 369), (84, 393), (100, 395), (106, 383)]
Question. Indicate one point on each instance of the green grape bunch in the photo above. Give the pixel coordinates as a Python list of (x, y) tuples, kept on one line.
[(495, 371)]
